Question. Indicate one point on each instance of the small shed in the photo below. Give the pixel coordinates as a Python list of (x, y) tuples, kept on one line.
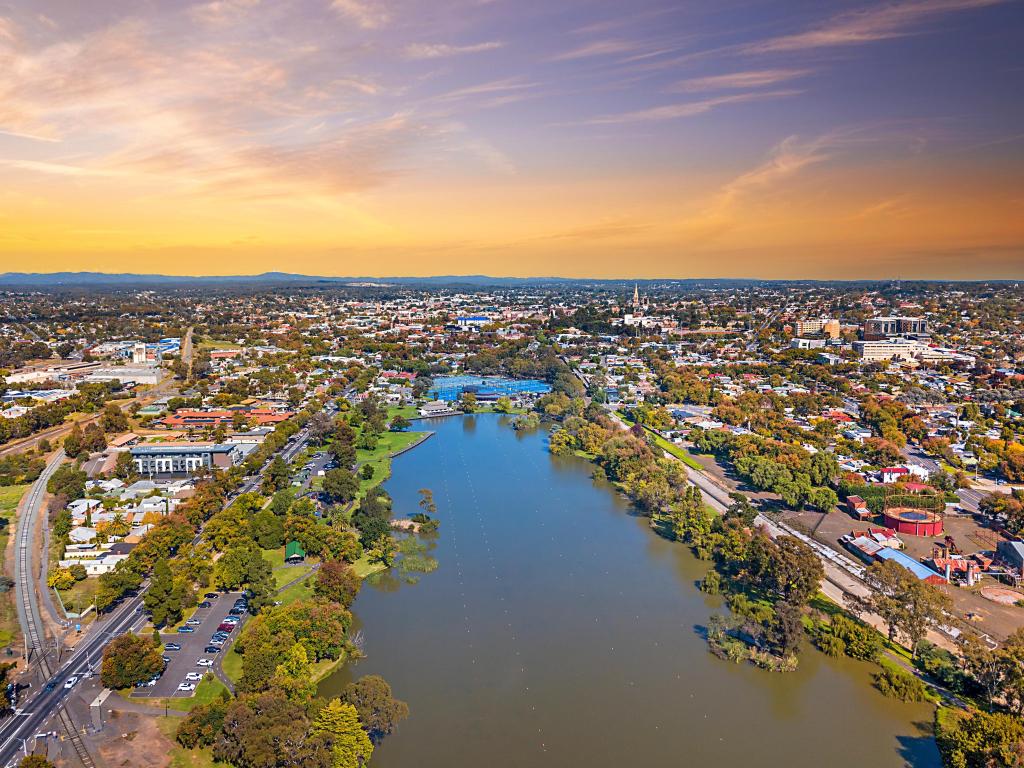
[(294, 553)]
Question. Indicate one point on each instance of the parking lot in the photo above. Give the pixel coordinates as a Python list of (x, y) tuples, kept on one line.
[(192, 648)]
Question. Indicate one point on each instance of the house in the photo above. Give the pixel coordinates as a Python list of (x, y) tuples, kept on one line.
[(857, 507), (436, 408), (894, 474), (294, 553), (184, 458)]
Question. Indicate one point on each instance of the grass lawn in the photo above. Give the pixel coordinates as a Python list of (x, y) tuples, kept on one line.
[(80, 596), (181, 757), (295, 592), (232, 664), (408, 411), (216, 344), (274, 556), (364, 567), (284, 575), (678, 451), (10, 496), (205, 692)]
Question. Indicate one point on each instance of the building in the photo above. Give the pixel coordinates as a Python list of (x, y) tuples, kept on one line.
[(184, 458), (885, 327), (139, 354), (907, 350), (128, 374), (801, 343), (184, 418)]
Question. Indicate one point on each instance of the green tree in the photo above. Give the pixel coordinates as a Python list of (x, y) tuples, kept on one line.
[(277, 476), (67, 481), (129, 659), (351, 744), (338, 582), (379, 711), (294, 676), (162, 599), (124, 467), (113, 419), (340, 485)]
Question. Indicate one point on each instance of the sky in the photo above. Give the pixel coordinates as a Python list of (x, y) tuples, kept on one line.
[(582, 138)]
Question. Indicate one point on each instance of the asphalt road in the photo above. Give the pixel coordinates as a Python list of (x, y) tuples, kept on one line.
[(192, 645), (41, 704)]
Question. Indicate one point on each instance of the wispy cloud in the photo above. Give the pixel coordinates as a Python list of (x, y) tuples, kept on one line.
[(442, 50), (785, 160), (368, 14), (600, 48), (878, 22), (685, 109), (739, 80)]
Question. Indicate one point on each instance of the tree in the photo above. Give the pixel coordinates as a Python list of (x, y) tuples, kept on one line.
[(60, 578), (503, 405), (294, 677), (337, 582), (379, 711), (73, 441), (35, 761), (400, 424), (794, 571), (267, 529), (340, 722), (277, 476), (427, 501), (162, 599), (467, 402), (269, 731), (113, 419), (908, 605), (124, 466), (67, 481), (128, 660), (340, 485)]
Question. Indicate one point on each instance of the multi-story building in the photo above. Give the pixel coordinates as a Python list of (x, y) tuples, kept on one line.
[(184, 458), (885, 327)]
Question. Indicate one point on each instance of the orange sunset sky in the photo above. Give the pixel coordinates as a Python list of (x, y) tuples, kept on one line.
[(656, 138)]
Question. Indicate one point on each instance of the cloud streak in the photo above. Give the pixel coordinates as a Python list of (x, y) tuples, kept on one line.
[(879, 22), (739, 80), (685, 109), (442, 50)]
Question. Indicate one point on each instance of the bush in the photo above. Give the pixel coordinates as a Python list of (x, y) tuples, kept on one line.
[(899, 684)]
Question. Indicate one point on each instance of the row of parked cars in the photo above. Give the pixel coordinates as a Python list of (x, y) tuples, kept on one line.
[(217, 640)]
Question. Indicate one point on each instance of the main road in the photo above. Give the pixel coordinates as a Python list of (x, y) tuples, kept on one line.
[(49, 699)]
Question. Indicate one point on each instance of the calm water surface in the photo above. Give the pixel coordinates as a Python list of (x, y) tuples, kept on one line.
[(559, 631)]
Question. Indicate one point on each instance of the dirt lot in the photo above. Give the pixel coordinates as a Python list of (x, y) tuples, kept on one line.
[(131, 739), (997, 620)]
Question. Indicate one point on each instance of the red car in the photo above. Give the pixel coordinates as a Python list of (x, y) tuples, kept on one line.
[(226, 627)]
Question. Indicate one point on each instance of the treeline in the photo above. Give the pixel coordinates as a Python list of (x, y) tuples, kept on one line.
[(799, 477)]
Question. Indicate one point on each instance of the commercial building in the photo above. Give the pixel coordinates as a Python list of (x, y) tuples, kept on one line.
[(890, 349), (128, 374), (885, 327), (184, 458)]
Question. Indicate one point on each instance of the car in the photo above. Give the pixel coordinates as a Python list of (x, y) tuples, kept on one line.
[(204, 662), (172, 647), (211, 595), (167, 659), (211, 649), (193, 622), (186, 629), (194, 676), (217, 640), (186, 687), (50, 686), (236, 612), (226, 627), (206, 604), (233, 618), (70, 682)]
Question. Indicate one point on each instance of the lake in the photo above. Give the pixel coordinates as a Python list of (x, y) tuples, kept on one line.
[(558, 630)]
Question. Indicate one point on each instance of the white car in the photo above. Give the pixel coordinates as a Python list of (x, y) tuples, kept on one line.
[(186, 687), (70, 682), (204, 663), (195, 676)]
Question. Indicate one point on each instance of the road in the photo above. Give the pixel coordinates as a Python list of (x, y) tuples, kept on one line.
[(42, 704)]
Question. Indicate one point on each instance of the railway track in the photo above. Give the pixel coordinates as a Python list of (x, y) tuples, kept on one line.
[(28, 605)]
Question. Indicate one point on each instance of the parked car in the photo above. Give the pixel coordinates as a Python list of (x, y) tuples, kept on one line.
[(193, 622), (186, 629), (206, 604), (204, 662), (186, 687), (70, 682), (211, 595), (226, 627), (172, 647), (211, 649), (167, 659), (235, 612), (196, 676)]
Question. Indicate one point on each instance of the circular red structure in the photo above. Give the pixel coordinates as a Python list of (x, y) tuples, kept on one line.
[(916, 522)]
